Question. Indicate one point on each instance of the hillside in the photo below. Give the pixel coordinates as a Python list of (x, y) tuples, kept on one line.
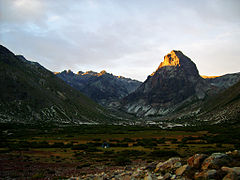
[(30, 93), (225, 106)]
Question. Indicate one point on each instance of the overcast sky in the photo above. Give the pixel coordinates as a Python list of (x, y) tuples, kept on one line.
[(123, 37)]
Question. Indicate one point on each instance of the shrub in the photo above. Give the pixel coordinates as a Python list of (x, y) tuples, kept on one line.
[(128, 140), (162, 153), (79, 147), (122, 161)]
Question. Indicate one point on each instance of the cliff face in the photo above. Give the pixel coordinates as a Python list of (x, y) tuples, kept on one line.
[(175, 81)]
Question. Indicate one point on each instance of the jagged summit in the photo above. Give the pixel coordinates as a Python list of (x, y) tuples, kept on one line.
[(81, 73), (171, 59), (176, 59)]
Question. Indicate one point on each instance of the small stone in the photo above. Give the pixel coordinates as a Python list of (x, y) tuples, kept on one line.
[(177, 164), (148, 177), (127, 177), (236, 153), (173, 176), (160, 177), (167, 176)]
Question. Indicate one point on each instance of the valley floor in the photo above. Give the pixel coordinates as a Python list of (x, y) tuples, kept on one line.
[(63, 152)]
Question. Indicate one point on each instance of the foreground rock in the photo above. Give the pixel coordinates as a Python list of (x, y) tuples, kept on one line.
[(196, 160), (199, 167), (216, 161)]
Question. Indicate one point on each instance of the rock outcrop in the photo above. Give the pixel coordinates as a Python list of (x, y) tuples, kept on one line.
[(176, 81)]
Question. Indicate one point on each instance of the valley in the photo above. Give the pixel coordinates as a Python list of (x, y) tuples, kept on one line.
[(98, 125)]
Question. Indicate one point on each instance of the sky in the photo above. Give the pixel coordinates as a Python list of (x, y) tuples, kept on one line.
[(123, 37)]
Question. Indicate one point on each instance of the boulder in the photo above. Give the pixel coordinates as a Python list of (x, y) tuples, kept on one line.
[(231, 176), (207, 174), (169, 164), (235, 153), (236, 170), (216, 161), (180, 171), (196, 160)]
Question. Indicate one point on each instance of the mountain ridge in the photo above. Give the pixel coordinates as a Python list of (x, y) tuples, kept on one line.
[(105, 88), (30, 93)]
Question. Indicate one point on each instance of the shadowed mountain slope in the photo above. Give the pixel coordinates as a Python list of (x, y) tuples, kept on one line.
[(29, 93), (224, 107)]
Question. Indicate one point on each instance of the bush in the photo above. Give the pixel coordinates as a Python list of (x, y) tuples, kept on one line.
[(218, 145), (129, 153), (162, 153), (122, 161), (161, 141), (79, 147), (128, 140)]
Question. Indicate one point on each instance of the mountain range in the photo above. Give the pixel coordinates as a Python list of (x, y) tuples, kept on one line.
[(104, 88), (30, 93)]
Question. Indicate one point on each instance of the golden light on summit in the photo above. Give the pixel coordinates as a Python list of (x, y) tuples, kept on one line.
[(209, 77)]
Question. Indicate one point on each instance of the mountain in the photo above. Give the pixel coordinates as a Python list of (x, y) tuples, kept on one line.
[(29, 93), (175, 82), (224, 81), (104, 88)]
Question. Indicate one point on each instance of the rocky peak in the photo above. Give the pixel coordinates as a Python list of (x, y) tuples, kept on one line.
[(68, 72), (90, 73), (175, 81), (177, 60), (80, 72), (102, 73), (171, 59)]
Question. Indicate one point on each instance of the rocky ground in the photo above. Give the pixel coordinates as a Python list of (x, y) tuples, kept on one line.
[(224, 166)]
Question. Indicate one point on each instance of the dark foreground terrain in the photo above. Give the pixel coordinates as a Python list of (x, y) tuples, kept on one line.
[(62, 152)]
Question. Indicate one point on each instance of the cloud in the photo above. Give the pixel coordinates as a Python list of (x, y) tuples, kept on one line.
[(126, 38)]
